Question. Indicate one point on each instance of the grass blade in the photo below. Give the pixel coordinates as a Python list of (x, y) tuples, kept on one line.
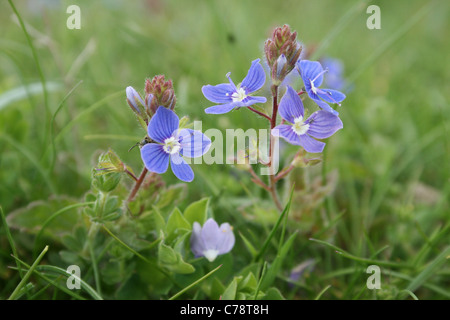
[(15, 293), (10, 240), (194, 283), (274, 229)]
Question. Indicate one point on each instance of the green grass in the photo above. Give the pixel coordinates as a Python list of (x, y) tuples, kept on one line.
[(381, 197)]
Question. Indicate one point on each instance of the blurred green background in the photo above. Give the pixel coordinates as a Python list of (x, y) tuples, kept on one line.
[(389, 167)]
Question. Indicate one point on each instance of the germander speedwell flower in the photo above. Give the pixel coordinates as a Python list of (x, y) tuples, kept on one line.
[(311, 73), (211, 240), (321, 124), (231, 96), (172, 143)]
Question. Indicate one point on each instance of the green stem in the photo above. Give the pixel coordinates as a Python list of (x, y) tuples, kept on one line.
[(39, 69)]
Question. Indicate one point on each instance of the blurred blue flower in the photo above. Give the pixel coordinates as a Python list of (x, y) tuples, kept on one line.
[(172, 143), (311, 73), (231, 96), (211, 240), (321, 124), (335, 77)]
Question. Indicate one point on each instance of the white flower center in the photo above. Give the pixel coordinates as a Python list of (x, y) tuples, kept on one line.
[(239, 95), (299, 126), (211, 254), (313, 88), (171, 145)]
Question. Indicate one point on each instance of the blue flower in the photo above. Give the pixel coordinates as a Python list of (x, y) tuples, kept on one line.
[(321, 124), (172, 143), (231, 96), (335, 77), (211, 240), (311, 73)]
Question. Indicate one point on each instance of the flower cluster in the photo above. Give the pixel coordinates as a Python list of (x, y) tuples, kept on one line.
[(282, 52), (298, 126), (165, 141)]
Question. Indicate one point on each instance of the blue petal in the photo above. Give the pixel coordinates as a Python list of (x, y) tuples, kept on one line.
[(332, 96), (226, 238), (163, 124), (291, 105), (155, 158), (323, 124), (325, 106), (193, 143), (210, 234), (134, 98), (220, 109), (249, 101), (285, 131), (309, 70), (180, 168), (310, 144), (220, 93), (255, 77), (197, 245)]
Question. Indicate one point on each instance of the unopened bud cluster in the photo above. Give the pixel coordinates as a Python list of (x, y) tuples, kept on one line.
[(282, 52), (159, 92)]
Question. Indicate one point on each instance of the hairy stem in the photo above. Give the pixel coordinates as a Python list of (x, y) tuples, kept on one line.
[(260, 113), (137, 185)]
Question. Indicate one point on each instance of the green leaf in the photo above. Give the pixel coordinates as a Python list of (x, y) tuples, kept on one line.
[(249, 245), (34, 216), (274, 268), (151, 222), (172, 261), (273, 294), (171, 195), (176, 225), (231, 290), (197, 211)]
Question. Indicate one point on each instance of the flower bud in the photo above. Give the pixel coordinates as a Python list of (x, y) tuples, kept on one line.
[(159, 92), (282, 52), (135, 102), (108, 173)]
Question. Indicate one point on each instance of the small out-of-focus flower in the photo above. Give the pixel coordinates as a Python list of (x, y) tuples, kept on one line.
[(335, 77), (231, 96), (298, 271), (211, 240), (311, 73), (172, 143), (321, 124)]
